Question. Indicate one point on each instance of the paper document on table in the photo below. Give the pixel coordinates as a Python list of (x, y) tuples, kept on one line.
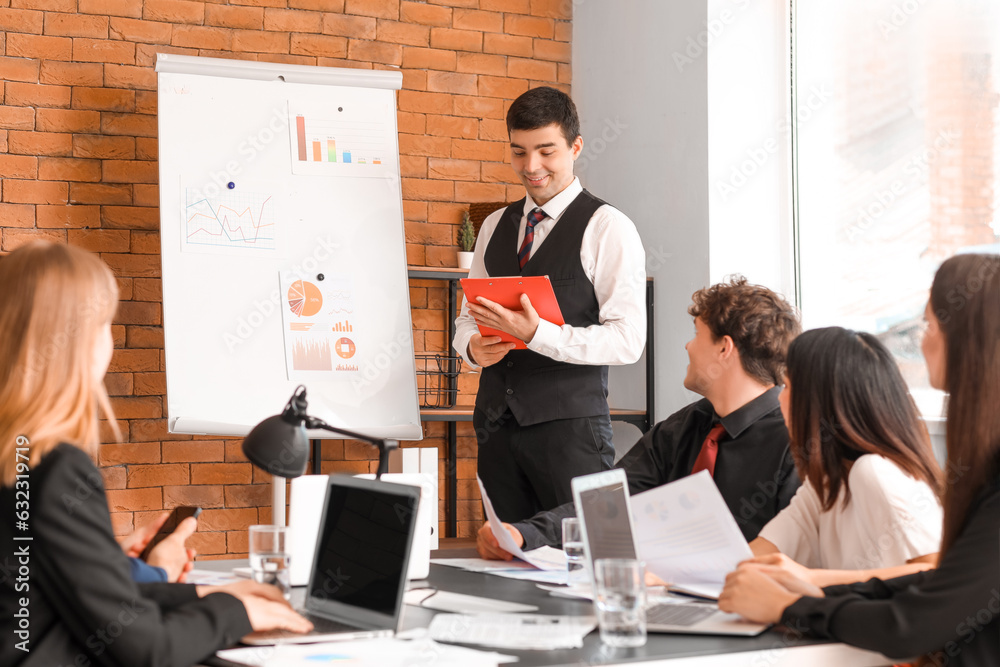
[(556, 577), (685, 533), (481, 564), (462, 604), (384, 652), (210, 578), (514, 631), (544, 558)]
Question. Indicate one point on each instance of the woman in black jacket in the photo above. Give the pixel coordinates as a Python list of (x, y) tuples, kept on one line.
[(66, 594), (948, 615)]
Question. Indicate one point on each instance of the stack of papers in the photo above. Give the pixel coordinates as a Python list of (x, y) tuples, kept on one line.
[(513, 631), (381, 652)]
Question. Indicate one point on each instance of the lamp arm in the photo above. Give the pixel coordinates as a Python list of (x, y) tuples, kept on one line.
[(384, 445)]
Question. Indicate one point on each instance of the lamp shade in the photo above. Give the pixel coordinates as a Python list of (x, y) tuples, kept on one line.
[(279, 445)]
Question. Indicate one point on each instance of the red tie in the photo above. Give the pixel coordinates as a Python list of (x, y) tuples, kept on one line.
[(709, 451), (536, 216)]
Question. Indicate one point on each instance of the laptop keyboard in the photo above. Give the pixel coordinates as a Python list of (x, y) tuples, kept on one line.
[(678, 614)]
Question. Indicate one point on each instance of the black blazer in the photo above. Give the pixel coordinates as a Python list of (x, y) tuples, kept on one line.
[(82, 605), (954, 609)]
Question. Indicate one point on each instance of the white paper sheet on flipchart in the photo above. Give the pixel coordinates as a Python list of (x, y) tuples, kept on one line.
[(514, 631), (423, 652), (544, 558), (685, 533)]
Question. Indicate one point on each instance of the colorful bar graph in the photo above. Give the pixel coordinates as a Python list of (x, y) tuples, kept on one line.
[(300, 131), (331, 150)]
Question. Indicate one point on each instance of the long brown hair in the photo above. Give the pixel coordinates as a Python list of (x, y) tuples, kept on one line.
[(965, 300), (848, 399), (54, 300)]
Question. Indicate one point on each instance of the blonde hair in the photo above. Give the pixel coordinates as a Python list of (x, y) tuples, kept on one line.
[(54, 301)]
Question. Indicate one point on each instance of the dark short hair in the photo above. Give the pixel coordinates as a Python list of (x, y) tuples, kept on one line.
[(759, 321), (849, 399), (541, 107)]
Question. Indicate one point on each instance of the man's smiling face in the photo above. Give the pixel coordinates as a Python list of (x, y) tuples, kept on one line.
[(543, 160)]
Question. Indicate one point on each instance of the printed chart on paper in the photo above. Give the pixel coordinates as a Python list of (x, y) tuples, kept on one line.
[(231, 222)]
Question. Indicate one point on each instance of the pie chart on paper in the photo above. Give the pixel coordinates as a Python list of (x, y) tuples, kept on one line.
[(304, 298)]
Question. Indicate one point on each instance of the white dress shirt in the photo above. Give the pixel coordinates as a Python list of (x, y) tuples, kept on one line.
[(892, 518), (613, 260)]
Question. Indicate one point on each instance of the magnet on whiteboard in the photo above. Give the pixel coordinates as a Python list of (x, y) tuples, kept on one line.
[(231, 185)]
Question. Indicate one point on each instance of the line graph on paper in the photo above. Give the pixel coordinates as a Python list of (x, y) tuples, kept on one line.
[(231, 220)]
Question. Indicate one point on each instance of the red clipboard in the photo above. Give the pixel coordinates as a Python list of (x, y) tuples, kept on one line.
[(507, 292)]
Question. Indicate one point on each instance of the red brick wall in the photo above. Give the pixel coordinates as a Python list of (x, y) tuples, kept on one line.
[(78, 164)]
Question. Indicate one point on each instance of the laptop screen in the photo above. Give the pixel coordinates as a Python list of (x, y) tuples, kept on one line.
[(609, 530), (362, 550)]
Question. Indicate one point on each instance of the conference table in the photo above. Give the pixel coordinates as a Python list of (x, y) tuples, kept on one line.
[(778, 647)]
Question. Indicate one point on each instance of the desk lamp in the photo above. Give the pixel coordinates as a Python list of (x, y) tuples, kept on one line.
[(280, 446)]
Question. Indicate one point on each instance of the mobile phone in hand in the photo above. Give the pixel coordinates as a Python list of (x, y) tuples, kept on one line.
[(177, 515)]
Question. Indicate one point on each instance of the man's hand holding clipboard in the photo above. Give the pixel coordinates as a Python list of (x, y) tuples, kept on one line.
[(507, 318)]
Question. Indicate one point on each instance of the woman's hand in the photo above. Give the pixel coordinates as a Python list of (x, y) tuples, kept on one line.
[(171, 554), (753, 593), (782, 562), (266, 607)]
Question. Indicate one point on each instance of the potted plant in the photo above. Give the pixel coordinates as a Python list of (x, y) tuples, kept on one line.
[(466, 241)]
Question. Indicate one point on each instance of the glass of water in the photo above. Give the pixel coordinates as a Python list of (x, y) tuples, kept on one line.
[(269, 557), (572, 541), (620, 599)]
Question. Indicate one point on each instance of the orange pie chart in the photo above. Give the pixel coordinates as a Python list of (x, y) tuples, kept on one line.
[(345, 348), (304, 298)]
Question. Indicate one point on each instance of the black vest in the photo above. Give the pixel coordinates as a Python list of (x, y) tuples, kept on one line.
[(536, 388)]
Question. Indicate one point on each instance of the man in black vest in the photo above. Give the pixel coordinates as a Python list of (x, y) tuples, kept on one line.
[(541, 414)]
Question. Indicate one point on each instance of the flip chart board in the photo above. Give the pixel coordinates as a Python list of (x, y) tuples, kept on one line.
[(283, 249)]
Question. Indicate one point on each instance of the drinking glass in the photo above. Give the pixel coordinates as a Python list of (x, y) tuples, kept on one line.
[(620, 599), (572, 541), (269, 557)]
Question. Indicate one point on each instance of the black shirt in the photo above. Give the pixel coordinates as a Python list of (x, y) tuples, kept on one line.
[(83, 606), (754, 469), (953, 609)]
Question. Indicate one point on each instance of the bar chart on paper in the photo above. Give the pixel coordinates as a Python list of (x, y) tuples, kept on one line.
[(230, 221), (338, 143)]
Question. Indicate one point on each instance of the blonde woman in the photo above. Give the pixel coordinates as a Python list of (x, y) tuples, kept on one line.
[(66, 594)]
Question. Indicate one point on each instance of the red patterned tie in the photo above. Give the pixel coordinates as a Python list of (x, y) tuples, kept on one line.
[(536, 216), (709, 451)]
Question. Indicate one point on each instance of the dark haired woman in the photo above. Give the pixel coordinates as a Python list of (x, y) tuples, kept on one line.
[(949, 614), (868, 505)]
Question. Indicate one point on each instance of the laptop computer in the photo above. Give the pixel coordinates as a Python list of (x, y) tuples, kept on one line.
[(602, 504), (358, 576)]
